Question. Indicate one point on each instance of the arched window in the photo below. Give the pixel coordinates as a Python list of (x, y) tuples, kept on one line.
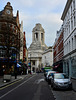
[(36, 36)]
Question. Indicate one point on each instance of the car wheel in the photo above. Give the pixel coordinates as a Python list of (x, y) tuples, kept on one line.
[(53, 87), (48, 82), (71, 87)]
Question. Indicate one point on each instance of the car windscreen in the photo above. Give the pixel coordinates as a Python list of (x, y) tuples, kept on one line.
[(60, 76), (52, 73)]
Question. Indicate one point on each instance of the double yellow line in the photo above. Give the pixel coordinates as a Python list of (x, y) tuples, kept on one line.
[(10, 84)]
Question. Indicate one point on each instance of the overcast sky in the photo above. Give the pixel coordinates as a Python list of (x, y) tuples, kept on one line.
[(46, 12)]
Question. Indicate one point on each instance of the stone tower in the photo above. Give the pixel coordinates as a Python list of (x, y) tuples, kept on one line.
[(37, 47)]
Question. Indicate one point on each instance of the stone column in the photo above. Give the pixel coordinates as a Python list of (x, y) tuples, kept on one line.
[(39, 35), (32, 36)]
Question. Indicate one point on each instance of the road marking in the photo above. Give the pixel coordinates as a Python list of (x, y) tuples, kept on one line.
[(15, 88), (10, 84), (40, 80)]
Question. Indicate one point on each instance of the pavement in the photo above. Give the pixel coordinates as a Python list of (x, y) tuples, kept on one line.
[(19, 77), (74, 84)]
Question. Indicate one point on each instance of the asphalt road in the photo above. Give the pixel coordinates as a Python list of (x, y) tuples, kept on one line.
[(30, 88)]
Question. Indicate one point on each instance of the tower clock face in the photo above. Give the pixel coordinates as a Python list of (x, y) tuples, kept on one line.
[(8, 12)]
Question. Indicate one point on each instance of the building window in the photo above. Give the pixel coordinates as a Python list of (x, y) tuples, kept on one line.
[(73, 67), (69, 27), (65, 48), (75, 42), (74, 20), (33, 62), (69, 46), (64, 33), (71, 9), (36, 36), (67, 31), (74, 4), (71, 24), (72, 43), (2, 53), (41, 36)]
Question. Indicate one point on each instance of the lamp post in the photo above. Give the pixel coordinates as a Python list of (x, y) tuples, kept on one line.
[(30, 63), (45, 61)]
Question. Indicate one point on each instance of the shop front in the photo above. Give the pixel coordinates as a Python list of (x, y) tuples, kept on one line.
[(73, 64), (69, 66), (58, 66), (7, 66)]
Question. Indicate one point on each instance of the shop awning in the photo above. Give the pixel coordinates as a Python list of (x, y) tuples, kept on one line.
[(18, 65)]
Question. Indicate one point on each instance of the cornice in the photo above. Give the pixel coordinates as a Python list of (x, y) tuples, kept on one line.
[(66, 9)]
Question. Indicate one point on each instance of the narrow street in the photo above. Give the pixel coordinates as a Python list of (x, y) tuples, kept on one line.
[(31, 88), (34, 87), (37, 36)]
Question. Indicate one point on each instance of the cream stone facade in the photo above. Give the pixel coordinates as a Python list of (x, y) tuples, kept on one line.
[(37, 47), (47, 57), (69, 25)]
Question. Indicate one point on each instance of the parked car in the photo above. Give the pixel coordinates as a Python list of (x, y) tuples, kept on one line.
[(45, 71), (61, 81), (48, 74)]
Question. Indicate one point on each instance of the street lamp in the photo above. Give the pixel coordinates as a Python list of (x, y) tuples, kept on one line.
[(45, 61), (30, 63)]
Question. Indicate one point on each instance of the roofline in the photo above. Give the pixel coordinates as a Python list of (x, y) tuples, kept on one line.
[(66, 9), (47, 50)]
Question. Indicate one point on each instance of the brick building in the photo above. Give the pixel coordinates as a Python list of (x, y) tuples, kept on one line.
[(58, 51), (9, 39), (24, 49)]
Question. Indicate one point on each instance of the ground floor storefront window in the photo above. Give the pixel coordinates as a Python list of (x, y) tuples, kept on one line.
[(69, 66), (73, 67), (66, 67)]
